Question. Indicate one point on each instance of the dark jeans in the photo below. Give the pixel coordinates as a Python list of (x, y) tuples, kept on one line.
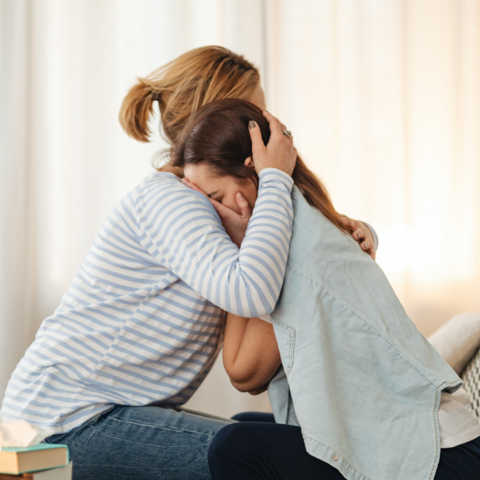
[(259, 449)]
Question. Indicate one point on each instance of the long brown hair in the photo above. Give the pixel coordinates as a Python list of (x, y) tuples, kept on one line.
[(184, 85), (217, 135)]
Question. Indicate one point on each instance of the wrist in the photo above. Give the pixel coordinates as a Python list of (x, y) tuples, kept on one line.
[(274, 174)]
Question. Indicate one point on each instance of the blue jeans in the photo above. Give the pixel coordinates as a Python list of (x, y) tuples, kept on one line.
[(142, 443), (257, 448)]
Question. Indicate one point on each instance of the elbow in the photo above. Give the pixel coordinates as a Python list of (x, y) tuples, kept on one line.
[(245, 381), (240, 378), (270, 305), (268, 310), (246, 386), (259, 304), (265, 310), (241, 387)]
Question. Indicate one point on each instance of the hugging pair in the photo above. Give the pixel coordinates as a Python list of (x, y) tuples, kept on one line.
[(355, 388)]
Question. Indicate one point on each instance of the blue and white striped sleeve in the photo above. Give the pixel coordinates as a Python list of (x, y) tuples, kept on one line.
[(182, 230)]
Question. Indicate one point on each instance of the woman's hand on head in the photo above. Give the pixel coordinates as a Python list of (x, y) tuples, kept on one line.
[(279, 153), (235, 224), (360, 233)]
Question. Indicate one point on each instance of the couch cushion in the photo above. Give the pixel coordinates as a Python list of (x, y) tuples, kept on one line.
[(471, 379), (458, 340)]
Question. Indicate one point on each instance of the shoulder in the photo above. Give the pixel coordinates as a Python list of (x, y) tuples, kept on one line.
[(161, 178), (162, 190)]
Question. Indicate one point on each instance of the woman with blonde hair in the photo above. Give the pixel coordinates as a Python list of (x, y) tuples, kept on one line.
[(184, 85), (141, 324)]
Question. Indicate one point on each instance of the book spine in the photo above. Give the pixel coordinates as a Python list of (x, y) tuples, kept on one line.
[(25, 476)]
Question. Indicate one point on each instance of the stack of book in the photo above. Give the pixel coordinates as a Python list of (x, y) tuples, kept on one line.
[(41, 462)]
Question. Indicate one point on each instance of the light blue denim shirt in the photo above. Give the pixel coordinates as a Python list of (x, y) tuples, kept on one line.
[(365, 383)]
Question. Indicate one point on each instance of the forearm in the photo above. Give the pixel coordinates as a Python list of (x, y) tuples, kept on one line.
[(180, 228), (250, 352)]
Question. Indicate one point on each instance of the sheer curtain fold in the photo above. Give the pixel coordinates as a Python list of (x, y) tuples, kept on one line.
[(15, 293), (65, 162), (381, 95)]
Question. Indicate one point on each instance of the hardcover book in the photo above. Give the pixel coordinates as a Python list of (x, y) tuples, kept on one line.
[(16, 460), (60, 473)]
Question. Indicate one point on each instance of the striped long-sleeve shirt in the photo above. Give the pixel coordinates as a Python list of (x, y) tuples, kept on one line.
[(141, 322)]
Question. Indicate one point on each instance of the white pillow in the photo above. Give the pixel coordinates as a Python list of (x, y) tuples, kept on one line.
[(471, 383), (458, 340)]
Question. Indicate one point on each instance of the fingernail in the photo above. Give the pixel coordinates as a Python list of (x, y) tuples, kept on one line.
[(239, 196), (252, 124)]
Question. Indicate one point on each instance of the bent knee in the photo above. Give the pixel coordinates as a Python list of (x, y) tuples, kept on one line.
[(225, 453), (228, 442)]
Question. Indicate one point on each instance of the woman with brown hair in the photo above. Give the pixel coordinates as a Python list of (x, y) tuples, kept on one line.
[(140, 326), (356, 365)]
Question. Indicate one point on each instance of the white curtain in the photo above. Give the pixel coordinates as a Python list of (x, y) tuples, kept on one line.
[(65, 67), (381, 95)]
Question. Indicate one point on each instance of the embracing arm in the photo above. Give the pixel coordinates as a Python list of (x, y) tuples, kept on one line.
[(250, 352), (181, 229)]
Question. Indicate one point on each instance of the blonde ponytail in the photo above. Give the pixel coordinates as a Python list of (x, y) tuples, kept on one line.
[(183, 86), (136, 110)]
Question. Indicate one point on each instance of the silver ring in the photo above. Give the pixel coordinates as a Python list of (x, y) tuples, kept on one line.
[(287, 133)]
